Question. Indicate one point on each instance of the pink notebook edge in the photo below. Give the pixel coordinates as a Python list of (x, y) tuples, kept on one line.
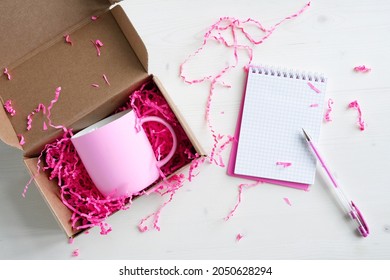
[(233, 154)]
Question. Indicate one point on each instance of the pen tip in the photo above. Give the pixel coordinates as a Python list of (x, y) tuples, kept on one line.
[(306, 135)]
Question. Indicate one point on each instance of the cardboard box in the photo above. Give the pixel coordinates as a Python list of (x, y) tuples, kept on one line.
[(39, 61)]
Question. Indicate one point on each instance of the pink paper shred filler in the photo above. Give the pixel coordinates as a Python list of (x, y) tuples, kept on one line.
[(41, 107), (106, 79), (284, 164), (215, 33), (314, 105), (71, 240), (95, 85), (239, 237), (98, 44), (287, 200), (328, 111), (68, 40), (362, 69), (21, 140), (240, 190), (8, 108), (52, 102), (77, 191), (313, 87), (93, 18), (355, 105), (75, 253), (6, 72)]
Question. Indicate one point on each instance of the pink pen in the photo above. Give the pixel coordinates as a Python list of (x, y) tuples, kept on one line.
[(349, 206)]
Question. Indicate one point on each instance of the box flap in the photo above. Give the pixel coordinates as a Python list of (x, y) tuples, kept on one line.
[(75, 68)]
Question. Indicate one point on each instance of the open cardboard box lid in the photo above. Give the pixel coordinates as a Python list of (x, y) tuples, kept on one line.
[(26, 26), (39, 61)]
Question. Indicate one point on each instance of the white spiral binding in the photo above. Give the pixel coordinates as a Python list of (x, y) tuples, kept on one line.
[(292, 74)]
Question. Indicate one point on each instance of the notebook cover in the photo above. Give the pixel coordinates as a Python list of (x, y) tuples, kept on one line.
[(233, 155)]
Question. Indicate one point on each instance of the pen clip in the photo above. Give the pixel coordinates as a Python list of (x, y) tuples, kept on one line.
[(363, 228)]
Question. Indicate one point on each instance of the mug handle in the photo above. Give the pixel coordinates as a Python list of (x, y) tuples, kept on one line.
[(174, 142)]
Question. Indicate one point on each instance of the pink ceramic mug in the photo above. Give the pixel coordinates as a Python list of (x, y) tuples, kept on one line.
[(118, 155)]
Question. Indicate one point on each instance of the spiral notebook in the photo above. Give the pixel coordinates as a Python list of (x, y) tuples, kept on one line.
[(270, 146)]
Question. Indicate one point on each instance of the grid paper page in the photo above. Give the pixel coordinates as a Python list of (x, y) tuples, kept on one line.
[(277, 105)]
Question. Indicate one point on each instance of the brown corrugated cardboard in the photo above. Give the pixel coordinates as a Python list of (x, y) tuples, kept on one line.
[(38, 71), (26, 26)]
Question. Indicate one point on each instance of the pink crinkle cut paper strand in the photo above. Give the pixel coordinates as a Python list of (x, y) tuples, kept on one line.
[(7, 74), (355, 105), (287, 200), (239, 237), (41, 107), (106, 79), (68, 40), (49, 108), (76, 253), (45, 111), (196, 163), (283, 164), (362, 69), (240, 190), (9, 108), (21, 139), (328, 111), (98, 45), (313, 87)]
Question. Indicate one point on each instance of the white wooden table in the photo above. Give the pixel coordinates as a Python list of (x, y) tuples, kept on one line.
[(330, 37)]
